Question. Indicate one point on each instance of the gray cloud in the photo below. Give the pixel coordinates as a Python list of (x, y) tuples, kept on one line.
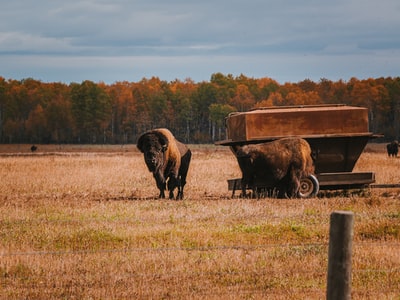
[(287, 40)]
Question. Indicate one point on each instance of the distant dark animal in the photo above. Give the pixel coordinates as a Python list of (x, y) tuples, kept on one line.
[(392, 148), (278, 164), (167, 158), (33, 148)]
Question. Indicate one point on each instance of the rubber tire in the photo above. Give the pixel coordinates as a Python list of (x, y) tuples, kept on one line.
[(309, 187)]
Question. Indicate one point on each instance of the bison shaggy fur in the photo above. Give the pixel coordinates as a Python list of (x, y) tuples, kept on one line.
[(392, 148), (279, 164), (167, 158)]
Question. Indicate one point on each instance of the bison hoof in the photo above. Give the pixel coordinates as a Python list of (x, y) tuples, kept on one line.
[(309, 187)]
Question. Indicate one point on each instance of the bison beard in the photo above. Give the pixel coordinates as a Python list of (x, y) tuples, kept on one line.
[(167, 158), (278, 164)]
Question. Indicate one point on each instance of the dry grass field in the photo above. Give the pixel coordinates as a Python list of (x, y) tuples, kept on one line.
[(81, 222)]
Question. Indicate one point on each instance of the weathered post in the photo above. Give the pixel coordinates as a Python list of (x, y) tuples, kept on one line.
[(339, 259)]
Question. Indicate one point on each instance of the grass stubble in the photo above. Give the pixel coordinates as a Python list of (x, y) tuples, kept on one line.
[(84, 223)]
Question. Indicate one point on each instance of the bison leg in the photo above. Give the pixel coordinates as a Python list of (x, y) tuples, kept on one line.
[(183, 170), (181, 184), (283, 187), (244, 184), (160, 181), (173, 182), (282, 192), (179, 196), (247, 182), (294, 182)]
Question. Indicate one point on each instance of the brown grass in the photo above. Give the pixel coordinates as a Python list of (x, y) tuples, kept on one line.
[(81, 222)]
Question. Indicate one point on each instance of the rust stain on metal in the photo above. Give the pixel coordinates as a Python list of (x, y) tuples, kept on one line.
[(336, 133), (262, 123)]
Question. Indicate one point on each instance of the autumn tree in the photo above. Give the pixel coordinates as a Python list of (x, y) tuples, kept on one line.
[(392, 121), (33, 111), (218, 113), (307, 85), (202, 98), (36, 126), (276, 99), (374, 96), (242, 100), (225, 87), (123, 111), (3, 86), (59, 119), (16, 110), (91, 110), (266, 87), (182, 93), (325, 89), (152, 104)]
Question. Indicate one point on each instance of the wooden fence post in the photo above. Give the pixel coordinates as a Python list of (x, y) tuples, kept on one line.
[(339, 259)]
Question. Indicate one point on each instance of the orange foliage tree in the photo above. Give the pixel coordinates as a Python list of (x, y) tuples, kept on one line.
[(35, 112)]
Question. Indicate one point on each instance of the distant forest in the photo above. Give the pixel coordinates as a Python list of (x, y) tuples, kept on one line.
[(32, 111)]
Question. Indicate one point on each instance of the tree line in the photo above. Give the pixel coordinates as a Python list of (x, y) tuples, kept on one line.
[(32, 111)]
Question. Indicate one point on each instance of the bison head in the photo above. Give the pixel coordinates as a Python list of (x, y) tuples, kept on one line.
[(153, 144)]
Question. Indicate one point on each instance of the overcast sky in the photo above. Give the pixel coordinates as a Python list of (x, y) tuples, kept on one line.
[(127, 40)]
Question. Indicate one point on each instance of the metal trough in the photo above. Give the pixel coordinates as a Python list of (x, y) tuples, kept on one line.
[(337, 135)]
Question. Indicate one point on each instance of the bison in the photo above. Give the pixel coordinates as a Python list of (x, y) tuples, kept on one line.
[(167, 158), (392, 148), (278, 164)]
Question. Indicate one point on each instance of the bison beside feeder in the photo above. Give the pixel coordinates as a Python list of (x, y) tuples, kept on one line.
[(337, 135), (279, 164)]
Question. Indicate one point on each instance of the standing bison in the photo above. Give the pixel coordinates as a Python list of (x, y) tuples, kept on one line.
[(392, 148), (278, 164), (167, 158)]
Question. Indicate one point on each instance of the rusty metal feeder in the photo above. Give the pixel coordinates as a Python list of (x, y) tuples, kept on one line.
[(336, 133)]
